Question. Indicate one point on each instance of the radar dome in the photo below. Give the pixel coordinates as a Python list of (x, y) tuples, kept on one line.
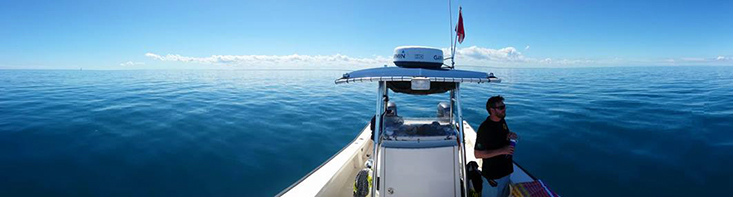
[(418, 57)]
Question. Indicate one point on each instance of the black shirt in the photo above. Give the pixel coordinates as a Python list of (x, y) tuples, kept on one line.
[(491, 136)]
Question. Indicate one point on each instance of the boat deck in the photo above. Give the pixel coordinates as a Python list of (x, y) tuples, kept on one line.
[(335, 177)]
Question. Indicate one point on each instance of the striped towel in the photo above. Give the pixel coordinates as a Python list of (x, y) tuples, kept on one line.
[(532, 189)]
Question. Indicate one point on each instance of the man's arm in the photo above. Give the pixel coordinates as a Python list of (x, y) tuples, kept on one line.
[(481, 154)]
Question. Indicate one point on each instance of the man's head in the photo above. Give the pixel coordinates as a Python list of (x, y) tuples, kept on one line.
[(495, 106)]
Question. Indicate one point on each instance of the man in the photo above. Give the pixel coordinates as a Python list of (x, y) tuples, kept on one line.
[(492, 146)]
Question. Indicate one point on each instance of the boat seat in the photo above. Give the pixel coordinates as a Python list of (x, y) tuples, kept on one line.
[(419, 143)]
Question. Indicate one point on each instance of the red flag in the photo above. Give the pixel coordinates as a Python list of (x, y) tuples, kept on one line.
[(459, 28)]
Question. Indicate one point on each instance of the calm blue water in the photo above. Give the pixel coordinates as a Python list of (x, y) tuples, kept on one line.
[(659, 131)]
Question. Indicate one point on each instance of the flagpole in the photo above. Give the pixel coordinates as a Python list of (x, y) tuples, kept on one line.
[(453, 54), (450, 14), (453, 49)]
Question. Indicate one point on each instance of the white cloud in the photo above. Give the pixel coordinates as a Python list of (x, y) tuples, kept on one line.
[(130, 63), (276, 60), (526, 48), (507, 54), (510, 56), (474, 55), (693, 59), (719, 59)]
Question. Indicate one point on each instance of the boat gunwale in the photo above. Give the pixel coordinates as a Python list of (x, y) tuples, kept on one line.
[(286, 190), (525, 171)]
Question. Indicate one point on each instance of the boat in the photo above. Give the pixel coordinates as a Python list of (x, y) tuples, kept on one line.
[(407, 156)]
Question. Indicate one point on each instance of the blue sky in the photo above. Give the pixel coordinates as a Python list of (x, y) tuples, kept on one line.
[(293, 34)]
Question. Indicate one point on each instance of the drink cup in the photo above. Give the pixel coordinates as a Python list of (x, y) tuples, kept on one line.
[(513, 143)]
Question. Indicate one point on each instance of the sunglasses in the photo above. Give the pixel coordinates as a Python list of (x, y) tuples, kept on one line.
[(500, 107)]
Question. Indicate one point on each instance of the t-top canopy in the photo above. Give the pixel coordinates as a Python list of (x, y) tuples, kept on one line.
[(408, 74)]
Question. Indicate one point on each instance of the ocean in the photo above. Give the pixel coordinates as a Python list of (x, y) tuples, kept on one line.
[(618, 131)]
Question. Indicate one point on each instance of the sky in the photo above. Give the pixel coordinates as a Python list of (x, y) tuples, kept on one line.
[(344, 34)]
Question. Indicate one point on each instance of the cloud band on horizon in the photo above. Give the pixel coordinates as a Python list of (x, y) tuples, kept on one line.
[(474, 55)]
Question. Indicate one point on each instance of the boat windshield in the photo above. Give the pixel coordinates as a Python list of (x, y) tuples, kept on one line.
[(417, 127)]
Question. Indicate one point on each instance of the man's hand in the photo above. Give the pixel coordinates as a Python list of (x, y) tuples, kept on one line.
[(507, 150), (512, 135)]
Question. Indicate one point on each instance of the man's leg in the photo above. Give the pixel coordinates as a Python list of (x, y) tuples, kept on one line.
[(502, 188), (487, 190)]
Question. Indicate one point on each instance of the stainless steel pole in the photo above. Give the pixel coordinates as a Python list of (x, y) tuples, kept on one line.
[(462, 139), (377, 131)]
